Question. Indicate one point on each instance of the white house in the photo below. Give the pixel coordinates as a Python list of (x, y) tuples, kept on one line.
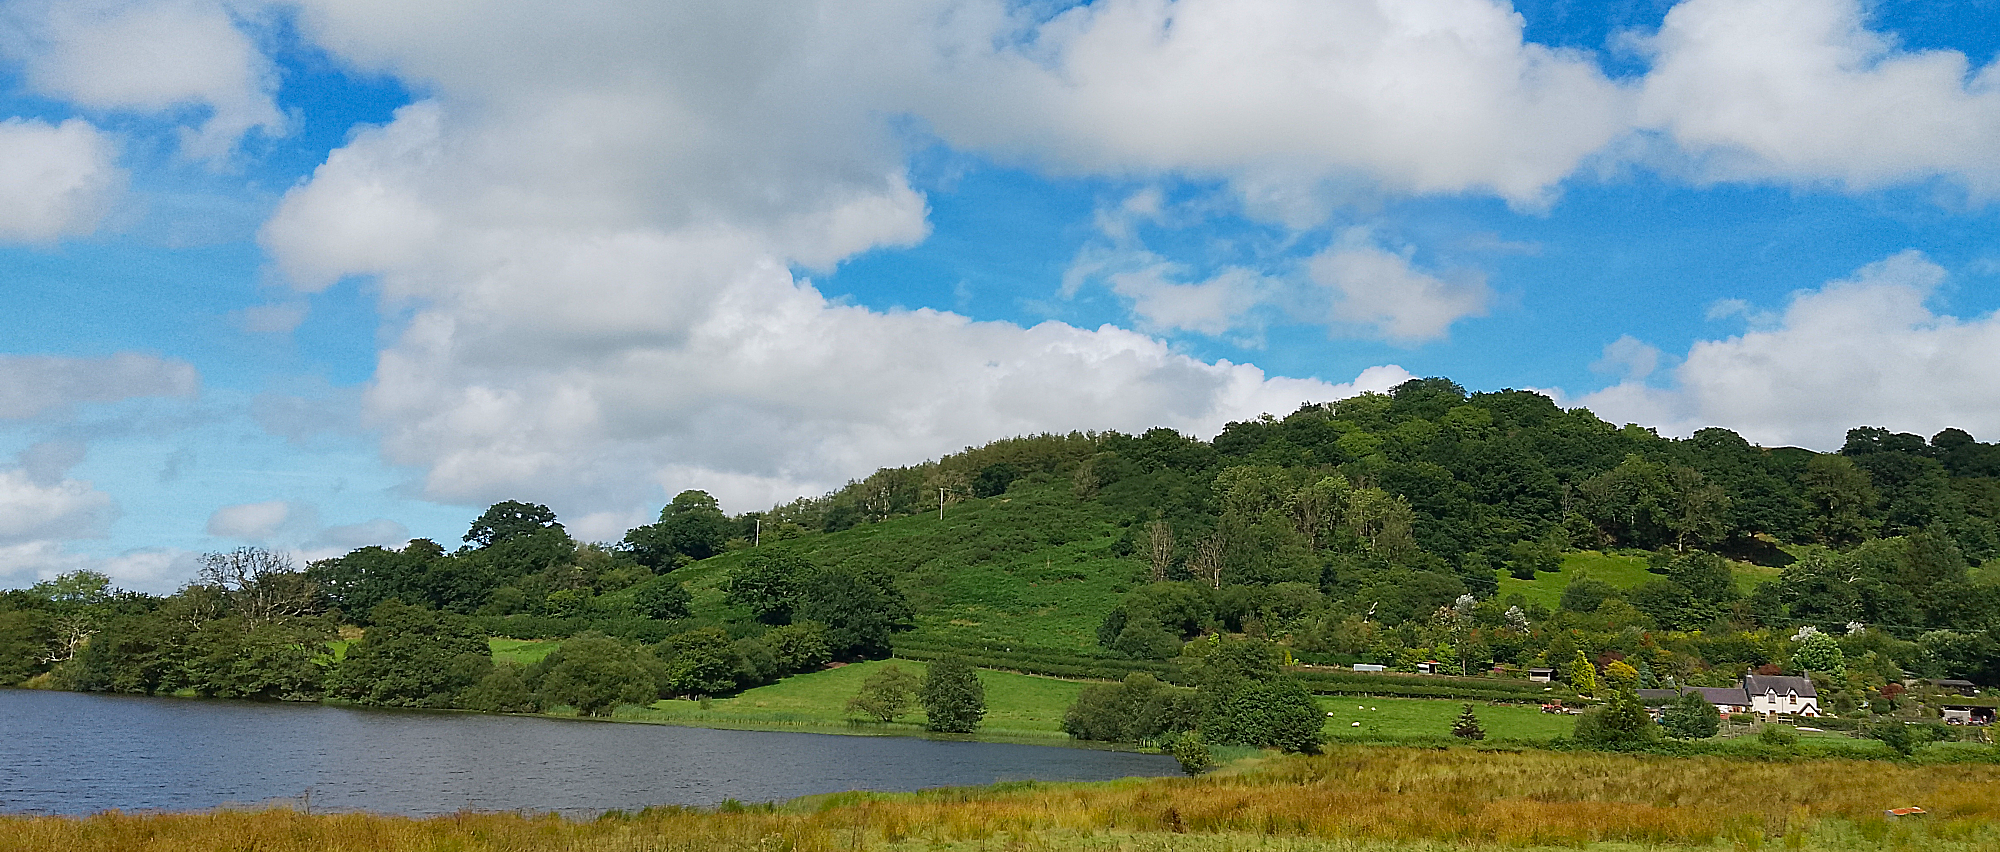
[(1770, 694)]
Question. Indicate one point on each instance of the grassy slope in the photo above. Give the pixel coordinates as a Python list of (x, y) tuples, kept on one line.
[(1417, 718), (1018, 707), (1031, 569), (522, 651), (1623, 572)]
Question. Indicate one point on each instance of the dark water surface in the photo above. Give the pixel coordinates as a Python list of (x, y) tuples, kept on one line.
[(72, 753)]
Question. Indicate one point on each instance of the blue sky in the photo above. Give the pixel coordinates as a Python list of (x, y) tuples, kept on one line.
[(311, 275)]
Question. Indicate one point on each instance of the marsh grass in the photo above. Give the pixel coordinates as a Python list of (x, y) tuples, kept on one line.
[(1352, 798)]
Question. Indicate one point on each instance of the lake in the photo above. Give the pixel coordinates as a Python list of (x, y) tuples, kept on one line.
[(75, 753)]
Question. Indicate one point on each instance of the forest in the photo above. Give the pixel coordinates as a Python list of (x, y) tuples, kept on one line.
[(1396, 528)]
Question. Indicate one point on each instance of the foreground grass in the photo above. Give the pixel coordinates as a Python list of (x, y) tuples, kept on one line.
[(1353, 798), (1018, 707)]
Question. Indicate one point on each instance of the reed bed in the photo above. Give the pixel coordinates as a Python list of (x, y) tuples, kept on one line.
[(1352, 798)]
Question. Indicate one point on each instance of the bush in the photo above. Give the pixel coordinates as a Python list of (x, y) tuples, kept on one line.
[(1192, 753), (1691, 717), (595, 673), (1621, 723), (1778, 736), (1275, 713), (662, 598)]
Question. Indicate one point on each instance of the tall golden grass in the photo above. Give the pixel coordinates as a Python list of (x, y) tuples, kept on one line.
[(1353, 798)]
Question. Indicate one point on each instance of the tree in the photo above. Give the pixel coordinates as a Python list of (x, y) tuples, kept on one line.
[(1191, 751), (1818, 652), (1691, 717), (1621, 721), (954, 701), (699, 662), (859, 608), (1619, 676), (262, 586), (693, 526), (767, 584), (413, 657), (506, 521), (1467, 726), (662, 598), (595, 673), (1581, 675), (1893, 733), (886, 694)]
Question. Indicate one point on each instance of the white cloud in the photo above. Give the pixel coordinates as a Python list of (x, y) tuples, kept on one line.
[(31, 385), (1373, 287), (1801, 90), (1629, 358), (272, 319), (1279, 95), (345, 537), (68, 508), (152, 56), (152, 570), (256, 521), (1863, 351), (596, 247), (58, 180)]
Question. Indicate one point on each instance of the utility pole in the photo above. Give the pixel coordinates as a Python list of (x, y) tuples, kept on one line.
[(940, 502), (756, 531)]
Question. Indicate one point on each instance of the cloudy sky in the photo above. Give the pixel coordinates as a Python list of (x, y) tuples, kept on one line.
[(323, 273)]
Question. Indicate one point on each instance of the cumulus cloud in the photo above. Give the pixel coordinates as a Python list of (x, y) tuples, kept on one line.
[(150, 56), (1801, 90), (1375, 288), (342, 538), (1424, 97), (1629, 358), (31, 385), (59, 180), (1864, 350), (600, 266), (31, 510)]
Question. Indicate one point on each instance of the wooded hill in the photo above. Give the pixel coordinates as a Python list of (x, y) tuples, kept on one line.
[(1423, 524)]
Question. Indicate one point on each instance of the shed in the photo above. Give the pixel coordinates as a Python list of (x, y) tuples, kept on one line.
[(1541, 675), (1967, 714), (1369, 667)]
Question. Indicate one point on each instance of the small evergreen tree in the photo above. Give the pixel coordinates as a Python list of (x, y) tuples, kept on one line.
[(1581, 675), (954, 701), (1467, 726)]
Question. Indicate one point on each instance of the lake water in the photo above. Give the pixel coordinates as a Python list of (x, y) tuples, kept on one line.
[(73, 753)]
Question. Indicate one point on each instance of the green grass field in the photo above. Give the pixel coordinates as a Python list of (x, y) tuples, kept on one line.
[(525, 652), (1390, 719), (1621, 571), (1018, 707)]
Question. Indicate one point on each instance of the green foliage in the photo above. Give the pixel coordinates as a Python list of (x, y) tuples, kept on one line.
[(886, 694), (662, 598), (954, 701), (1690, 717), (1466, 727), (1140, 709), (767, 584), (1273, 713), (1580, 675), (504, 522), (1778, 736), (595, 673), (704, 661), (504, 690), (1819, 653), (691, 527), (1904, 738), (1621, 722), (412, 657), (1192, 753)]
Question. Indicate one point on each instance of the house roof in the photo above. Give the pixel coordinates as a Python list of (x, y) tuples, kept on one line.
[(1720, 695), (1780, 684)]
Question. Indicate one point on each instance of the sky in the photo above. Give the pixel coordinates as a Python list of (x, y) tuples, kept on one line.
[(311, 275)]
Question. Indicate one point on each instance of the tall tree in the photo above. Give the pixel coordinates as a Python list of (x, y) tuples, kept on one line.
[(953, 698)]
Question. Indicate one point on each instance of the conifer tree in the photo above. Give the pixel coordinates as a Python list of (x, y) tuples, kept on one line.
[(1467, 726)]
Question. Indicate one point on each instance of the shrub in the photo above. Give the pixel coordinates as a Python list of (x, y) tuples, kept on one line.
[(1621, 723), (1192, 753), (886, 694), (1691, 717)]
